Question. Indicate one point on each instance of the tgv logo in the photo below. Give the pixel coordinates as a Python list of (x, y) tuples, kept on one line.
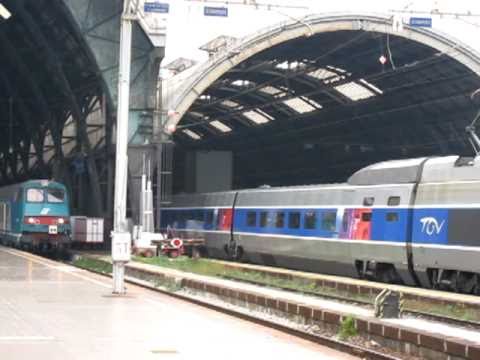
[(430, 225)]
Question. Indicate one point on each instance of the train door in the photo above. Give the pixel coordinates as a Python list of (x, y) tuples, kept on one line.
[(363, 224)]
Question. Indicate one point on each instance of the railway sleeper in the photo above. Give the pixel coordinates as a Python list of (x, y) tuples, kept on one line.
[(454, 280)]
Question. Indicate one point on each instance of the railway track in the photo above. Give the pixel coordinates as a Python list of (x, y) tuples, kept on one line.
[(410, 312)]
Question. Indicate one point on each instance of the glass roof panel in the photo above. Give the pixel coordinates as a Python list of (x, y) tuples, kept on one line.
[(354, 91), (326, 75), (273, 91), (192, 134), (301, 105), (243, 83), (258, 116), (230, 103), (221, 126), (371, 86)]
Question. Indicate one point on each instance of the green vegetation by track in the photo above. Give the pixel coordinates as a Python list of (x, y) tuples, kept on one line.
[(93, 264), (211, 268)]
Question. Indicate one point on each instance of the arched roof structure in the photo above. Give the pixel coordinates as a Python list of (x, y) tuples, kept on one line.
[(315, 99)]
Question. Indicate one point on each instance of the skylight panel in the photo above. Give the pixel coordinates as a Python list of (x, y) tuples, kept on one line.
[(192, 134), (326, 75), (242, 83), (258, 116), (221, 126), (205, 97), (371, 86), (196, 114), (301, 105), (230, 104), (290, 65), (354, 91), (336, 69), (273, 91)]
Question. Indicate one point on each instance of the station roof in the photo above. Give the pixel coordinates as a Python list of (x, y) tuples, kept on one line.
[(47, 76), (316, 109)]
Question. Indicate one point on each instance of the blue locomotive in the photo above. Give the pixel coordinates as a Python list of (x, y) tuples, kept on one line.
[(413, 221), (35, 215)]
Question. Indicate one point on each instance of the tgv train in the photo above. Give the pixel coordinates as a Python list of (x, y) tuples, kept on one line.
[(35, 215), (413, 222)]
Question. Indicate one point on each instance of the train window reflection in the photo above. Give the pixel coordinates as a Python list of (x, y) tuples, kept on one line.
[(294, 220), (280, 220), (55, 195), (252, 218), (209, 217), (310, 220), (263, 219), (35, 195), (329, 220)]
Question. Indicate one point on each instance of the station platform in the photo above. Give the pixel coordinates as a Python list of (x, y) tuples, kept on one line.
[(49, 310)]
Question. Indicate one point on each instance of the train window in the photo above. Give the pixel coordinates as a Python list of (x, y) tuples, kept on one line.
[(55, 195), (368, 201), (310, 220), (392, 216), (251, 218), (393, 201), (280, 220), (198, 215), (209, 217), (35, 195), (366, 216), (294, 220), (263, 219), (329, 220)]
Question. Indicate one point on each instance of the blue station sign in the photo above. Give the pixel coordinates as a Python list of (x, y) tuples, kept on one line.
[(421, 22), (156, 7), (215, 11)]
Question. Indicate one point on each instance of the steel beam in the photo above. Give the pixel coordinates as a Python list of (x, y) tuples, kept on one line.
[(37, 33)]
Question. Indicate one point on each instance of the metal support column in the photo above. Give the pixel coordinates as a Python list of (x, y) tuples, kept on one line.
[(121, 237)]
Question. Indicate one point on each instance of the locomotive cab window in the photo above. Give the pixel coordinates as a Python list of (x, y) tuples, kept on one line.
[(310, 220), (368, 201), (280, 219), (294, 220), (251, 218), (35, 195), (393, 201), (263, 219)]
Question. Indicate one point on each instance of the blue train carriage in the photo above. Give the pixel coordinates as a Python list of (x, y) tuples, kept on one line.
[(35, 215), (409, 221)]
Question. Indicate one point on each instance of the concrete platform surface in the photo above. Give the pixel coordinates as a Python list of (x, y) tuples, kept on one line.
[(53, 311)]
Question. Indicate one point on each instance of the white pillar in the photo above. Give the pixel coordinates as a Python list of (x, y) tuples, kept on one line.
[(121, 237)]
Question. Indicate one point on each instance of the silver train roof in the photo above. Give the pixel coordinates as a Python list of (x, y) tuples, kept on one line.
[(424, 170)]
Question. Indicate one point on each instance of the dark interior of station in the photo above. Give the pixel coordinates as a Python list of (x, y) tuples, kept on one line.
[(311, 110), (316, 109), (49, 85)]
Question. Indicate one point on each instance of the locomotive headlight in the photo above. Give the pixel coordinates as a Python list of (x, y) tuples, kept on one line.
[(31, 220), (61, 221)]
